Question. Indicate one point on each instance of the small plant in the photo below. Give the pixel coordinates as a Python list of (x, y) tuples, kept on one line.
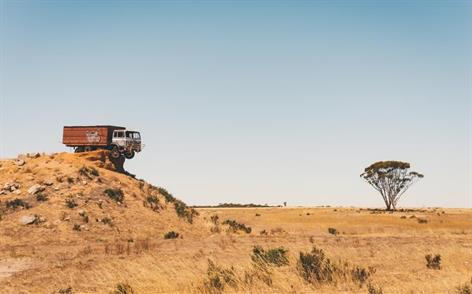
[(183, 211), (333, 231), (67, 290), (15, 203), (153, 202), (107, 221), (115, 194), (235, 226), (70, 180), (433, 262), (257, 214), (215, 219), (273, 256), (88, 172), (422, 221), (76, 227), (123, 288), (40, 197), (464, 289), (70, 202), (315, 267), (171, 235), (371, 289), (167, 196), (218, 278), (361, 275)]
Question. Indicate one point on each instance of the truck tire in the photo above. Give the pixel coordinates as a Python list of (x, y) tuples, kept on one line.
[(129, 155), (87, 149), (115, 152), (79, 149)]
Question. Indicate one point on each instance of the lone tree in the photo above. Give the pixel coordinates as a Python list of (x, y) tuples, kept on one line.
[(391, 179)]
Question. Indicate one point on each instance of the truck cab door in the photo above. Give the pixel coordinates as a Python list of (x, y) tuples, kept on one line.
[(119, 138)]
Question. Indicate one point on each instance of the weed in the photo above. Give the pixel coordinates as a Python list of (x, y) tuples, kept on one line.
[(361, 275), (464, 289), (153, 202), (257, 214), (76, 227), (167, 196), (422, 221), (333, 231), (171, 235), (123, 288), (183, 211), (371, 289), (115, 194), (41, 197), (70, 202), (315, 267), (67, 290), (88, 172), (235, 226), (218, 278), (272, 256), (107, 221), (433, 262), (15, 203), (215, 219)]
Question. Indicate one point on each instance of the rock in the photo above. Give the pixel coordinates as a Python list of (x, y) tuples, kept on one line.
[(2, 192), (20, 162), (28, 219), (48, 182), (17, 192), (35, 189)]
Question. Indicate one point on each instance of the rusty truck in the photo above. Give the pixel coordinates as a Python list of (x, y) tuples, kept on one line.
[(119, 140)]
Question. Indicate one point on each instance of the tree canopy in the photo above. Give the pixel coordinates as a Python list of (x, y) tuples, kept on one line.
[(391, 179)]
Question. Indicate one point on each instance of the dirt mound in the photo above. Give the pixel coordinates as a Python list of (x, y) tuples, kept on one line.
[(82, 199)]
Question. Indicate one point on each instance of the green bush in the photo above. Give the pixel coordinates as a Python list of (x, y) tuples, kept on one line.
[(433, 262), (218, 278), (153, 202), (183, 211), (235, 226), (115, 194), (15, 203), (272, 256), (123, 288), (316, 267), (332, 231), (171, 235)]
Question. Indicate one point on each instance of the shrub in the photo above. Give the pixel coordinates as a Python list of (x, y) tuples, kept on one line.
[(316, 267), (167, 196), (107, 221), (332, 231), (76, 227), (171, 235), (273, 256), (215, 219), (433, 262), (422, 221), (123, 288), (153, 202), (371, 289), (464, 289), (257, 214), (218, 278), (70, 202), (88, 172), (67, 290), (361, 275), (15, 203), (41, 197), (235, 226), (115, 194), (183, 211)]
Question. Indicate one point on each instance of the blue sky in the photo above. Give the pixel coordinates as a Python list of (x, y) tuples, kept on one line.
[(251, 101)]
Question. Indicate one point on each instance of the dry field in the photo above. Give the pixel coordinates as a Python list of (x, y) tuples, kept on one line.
[(66, 252)]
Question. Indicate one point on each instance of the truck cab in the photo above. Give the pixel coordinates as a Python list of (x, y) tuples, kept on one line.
[(126, 142)]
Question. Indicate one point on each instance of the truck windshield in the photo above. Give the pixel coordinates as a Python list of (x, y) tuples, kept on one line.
[(133, 135)]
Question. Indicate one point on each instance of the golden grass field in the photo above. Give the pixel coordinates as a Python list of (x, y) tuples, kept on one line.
[(132, 255)]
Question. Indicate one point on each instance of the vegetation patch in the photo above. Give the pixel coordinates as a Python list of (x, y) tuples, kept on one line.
[(333, 231), (219, 278), (371, 289), (16, 203), (88, 172), (433, 262), (272, 256), (234, 226), (171, 235), (70, 203), (40, 197), (115, 194), (185, 212), (152, 202), (123, 288)]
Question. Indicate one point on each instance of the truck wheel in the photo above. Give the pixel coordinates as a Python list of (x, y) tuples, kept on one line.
[(87, 149), (129, 155), (79, 149), (115, 152)]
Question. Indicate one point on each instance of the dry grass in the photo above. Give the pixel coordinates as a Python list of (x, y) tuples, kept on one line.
[(132, 254)]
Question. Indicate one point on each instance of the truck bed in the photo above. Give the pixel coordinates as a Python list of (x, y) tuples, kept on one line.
[(100, 136)]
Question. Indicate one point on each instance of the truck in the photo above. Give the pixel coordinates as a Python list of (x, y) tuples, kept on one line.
[(119, 140)]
